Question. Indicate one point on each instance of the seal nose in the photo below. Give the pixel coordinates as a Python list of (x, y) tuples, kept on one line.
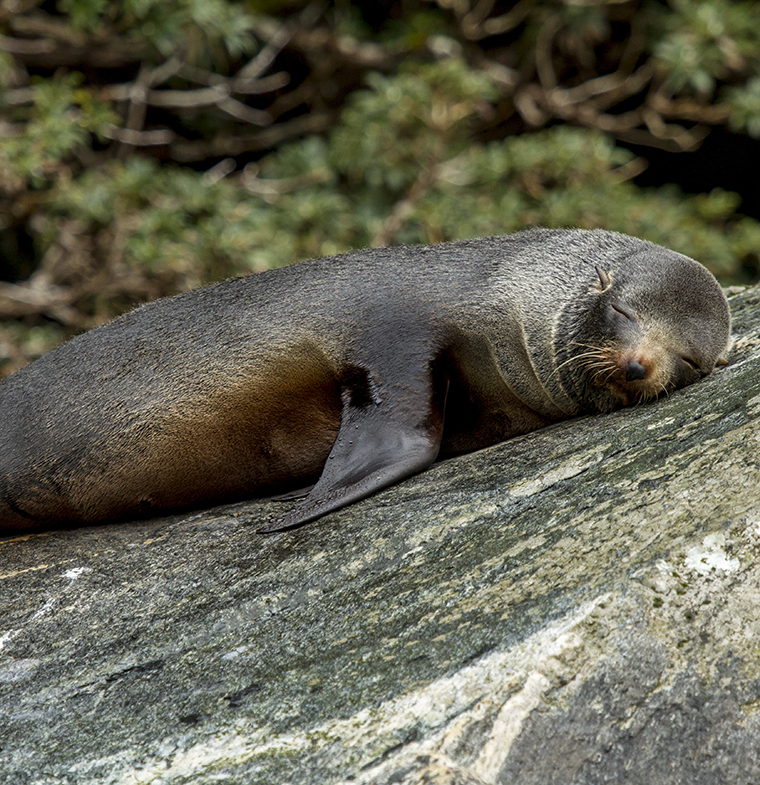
[(634, 371)]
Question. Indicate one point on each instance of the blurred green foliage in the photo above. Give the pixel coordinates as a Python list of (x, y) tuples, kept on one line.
[(143, 151), (59, 121), (704, 42)]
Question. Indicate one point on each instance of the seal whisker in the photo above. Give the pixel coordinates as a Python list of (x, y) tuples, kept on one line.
[(602, 371), (577, 358), (603, 363), (597, 353)]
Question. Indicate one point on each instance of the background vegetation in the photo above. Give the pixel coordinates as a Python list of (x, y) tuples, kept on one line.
[(149, 146)]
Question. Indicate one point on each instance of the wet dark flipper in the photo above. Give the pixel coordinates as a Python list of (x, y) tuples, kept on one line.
[(385, 435), (299, 493)]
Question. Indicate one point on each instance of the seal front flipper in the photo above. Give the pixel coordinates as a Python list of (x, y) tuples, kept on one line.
[(381, 440), (299, 493)]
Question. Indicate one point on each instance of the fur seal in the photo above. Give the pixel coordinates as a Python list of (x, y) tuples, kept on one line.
[(348, 374)]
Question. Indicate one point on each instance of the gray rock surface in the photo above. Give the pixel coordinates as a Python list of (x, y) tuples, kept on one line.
[(579, 605)]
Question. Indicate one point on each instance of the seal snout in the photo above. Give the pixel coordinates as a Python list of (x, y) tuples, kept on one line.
[(634, 371), (629, 374)]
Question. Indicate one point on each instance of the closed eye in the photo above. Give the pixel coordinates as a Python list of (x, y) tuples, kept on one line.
[(623, 311), (691, 363)]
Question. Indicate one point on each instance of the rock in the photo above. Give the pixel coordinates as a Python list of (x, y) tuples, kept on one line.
[(578, 605)]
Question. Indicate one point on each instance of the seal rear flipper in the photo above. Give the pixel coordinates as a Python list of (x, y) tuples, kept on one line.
[(377, 445)]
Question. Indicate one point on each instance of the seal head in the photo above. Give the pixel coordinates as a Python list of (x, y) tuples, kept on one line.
[(652, 322)]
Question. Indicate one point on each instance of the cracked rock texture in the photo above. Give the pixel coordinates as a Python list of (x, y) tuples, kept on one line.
[(579, 605)]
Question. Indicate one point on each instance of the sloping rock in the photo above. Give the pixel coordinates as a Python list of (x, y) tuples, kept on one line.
[(579, 605)]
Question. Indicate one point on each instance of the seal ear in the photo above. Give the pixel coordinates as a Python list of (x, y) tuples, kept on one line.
[(605, 281)]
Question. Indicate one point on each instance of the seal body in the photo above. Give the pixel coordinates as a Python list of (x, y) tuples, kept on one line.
[(348, 374)]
